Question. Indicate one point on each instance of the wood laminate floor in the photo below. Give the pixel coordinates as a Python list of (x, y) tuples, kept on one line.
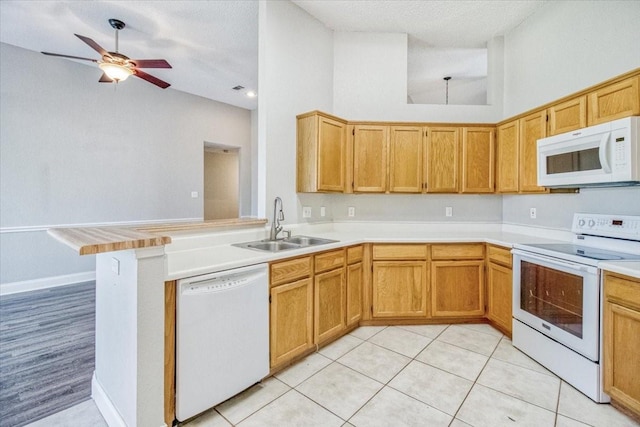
[(47, 351)]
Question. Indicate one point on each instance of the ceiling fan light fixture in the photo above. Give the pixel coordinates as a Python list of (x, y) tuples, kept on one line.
[(115, 71)]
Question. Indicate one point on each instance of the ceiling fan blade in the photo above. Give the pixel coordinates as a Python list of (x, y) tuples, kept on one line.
[(69, 56), (151, 63), (105, 79), (148, 77), (95, 46)]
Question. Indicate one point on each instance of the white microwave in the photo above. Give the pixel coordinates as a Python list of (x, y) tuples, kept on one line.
[(603, 155)]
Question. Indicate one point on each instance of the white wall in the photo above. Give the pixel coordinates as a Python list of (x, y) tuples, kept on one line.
[(296, 75), (567, 46), (370, 82), (563, 48), (75, 151)]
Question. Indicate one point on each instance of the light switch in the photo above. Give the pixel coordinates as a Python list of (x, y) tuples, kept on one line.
[(323, 211), (194, 194)]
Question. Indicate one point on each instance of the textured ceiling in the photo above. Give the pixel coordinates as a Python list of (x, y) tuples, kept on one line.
[(213, 45)]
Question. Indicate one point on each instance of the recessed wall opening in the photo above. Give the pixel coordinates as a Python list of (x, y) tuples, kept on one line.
[(428, 66), (221, 181)]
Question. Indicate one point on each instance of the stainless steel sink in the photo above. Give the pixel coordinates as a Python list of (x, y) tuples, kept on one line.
[(294, 242), (308, 241), (272, 246)]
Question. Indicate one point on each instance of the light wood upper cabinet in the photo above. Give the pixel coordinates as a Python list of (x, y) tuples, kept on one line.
[(291, 320), (532, 128), (321, 153), (478, 159), (370, 146), (567, 116), (405, 159), (621, 336), (614, 101), (508, 158), (442, 159)]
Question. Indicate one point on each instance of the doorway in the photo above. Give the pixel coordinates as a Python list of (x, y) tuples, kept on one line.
[(221, 181)]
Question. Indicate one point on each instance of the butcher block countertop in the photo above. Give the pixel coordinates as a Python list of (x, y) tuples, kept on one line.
[(94, 240)]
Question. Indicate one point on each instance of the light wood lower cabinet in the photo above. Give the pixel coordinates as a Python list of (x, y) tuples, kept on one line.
[(291, 324), (354, 293), (329, 304), (621, 335), (499, 287), (458, 288), (399, 289), (457, 280)]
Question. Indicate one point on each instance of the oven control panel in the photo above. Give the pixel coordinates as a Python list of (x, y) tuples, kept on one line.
[(620, 226)]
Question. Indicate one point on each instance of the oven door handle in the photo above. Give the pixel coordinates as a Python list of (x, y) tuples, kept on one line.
[(554, 261)]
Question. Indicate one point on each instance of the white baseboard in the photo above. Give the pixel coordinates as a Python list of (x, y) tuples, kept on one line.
[(46, 282), (106, 408)]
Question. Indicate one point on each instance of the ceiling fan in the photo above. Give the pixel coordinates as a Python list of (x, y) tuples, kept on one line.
[(115, 66)]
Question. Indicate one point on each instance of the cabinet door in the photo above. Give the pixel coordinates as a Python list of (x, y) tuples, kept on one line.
[(370, 158), (331, 154), (615, 101), (399, 289), (499, 292), (457, 288), (405, 159), (507, 158), (532, 128), (329, 305), (568, 116), (442, 159), (621, 335), (320, 154), (291, 320), (354, 293), (477, 160)]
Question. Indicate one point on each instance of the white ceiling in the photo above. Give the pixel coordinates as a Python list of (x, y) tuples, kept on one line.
[(213, 45)]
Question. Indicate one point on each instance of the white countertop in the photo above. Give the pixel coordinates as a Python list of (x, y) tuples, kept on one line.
[(188, 262), (628, 268)]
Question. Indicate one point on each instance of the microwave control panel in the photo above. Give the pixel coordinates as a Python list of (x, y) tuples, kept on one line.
[(621, 226)]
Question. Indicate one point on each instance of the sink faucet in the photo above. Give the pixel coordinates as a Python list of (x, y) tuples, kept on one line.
[(277, 217)]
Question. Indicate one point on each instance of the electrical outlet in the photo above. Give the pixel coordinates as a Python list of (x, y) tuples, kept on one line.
[(306, 212), (323, 211), (532, 213), (194, 194), (352, 211), (448, 211)]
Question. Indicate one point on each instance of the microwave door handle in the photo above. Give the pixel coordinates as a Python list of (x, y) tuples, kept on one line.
[(602, 152)]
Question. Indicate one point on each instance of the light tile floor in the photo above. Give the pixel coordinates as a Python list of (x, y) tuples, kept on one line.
[(432, 375)]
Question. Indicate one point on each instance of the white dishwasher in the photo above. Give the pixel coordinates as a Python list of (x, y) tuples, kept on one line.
[(222, 336)]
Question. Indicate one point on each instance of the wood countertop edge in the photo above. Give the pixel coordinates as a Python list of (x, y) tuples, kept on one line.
[(95, 240)]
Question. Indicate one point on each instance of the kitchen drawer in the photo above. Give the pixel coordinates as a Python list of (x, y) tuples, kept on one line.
[(289, 270), (354, 254), (458, 251), (622, 290), (329, 260), (403, 252), (499, 255)]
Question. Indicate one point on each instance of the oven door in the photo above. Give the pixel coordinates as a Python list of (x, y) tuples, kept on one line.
[(558, 298)]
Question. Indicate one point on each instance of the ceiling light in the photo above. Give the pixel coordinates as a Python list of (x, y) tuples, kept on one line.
[(251, 94), (115, 71)]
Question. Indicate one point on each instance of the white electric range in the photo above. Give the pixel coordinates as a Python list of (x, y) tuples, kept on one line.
[(557, 297)]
